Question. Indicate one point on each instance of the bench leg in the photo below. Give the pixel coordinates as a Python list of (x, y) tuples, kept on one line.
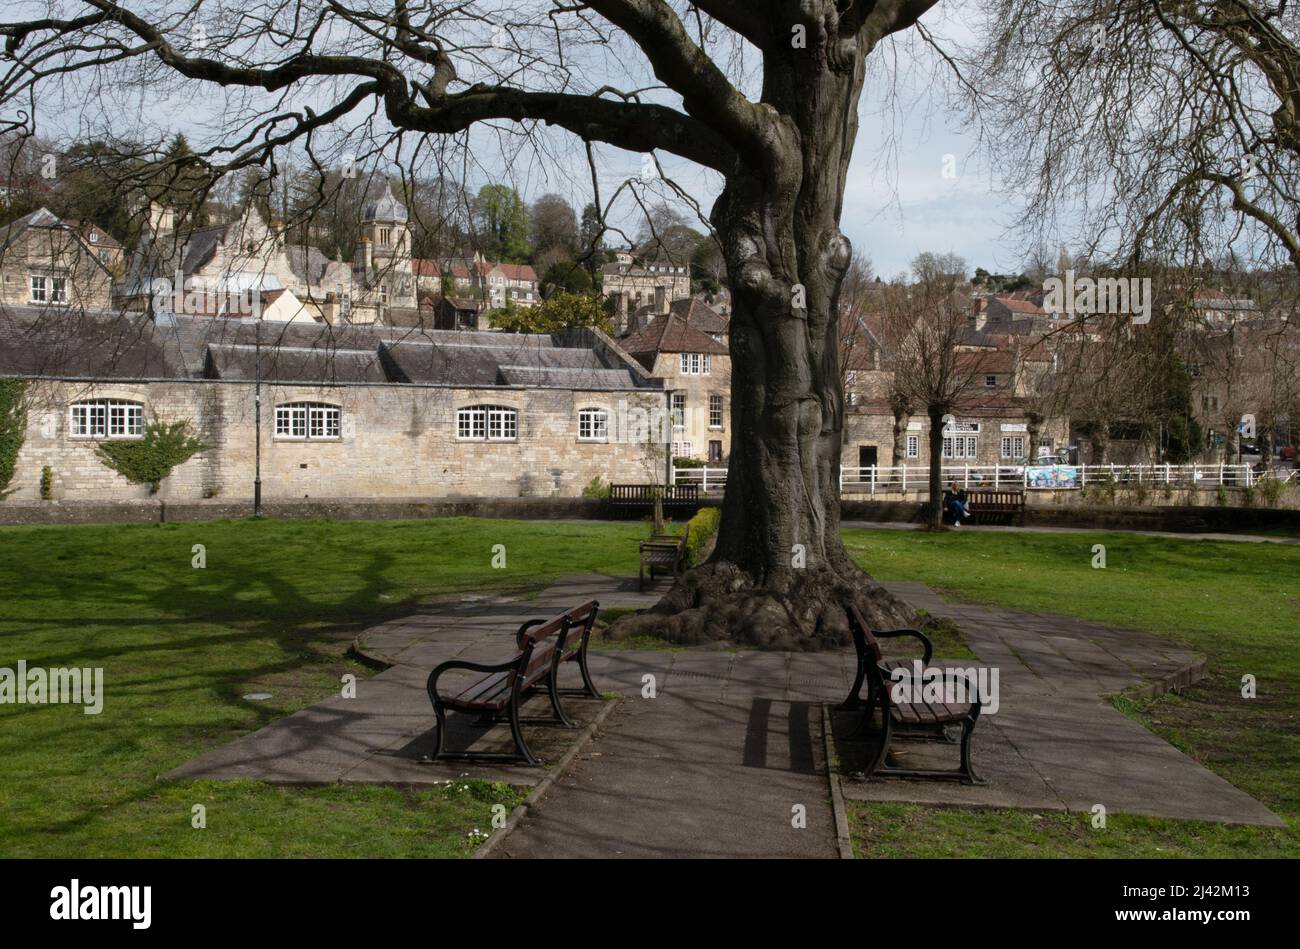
[(553, 691), (884, 743), (517, 733), (441, 715), (967, 767), (854, 699), (586, 674), (965, 773)]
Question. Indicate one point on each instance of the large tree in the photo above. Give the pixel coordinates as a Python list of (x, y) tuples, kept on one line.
[(763, 93), (1163, 128)]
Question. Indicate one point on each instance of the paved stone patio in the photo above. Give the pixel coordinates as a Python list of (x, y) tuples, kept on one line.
[(731, 748)]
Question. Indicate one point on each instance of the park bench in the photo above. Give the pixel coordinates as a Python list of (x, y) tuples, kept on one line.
[(662, 552), (918, 719), (638, 500), (995, 507), (543, 646)]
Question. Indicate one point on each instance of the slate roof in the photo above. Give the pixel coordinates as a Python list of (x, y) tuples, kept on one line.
[(671, 334), (699, 315), (386, 208), (69, 344), (112, 345), (307, 263), (239, 361)]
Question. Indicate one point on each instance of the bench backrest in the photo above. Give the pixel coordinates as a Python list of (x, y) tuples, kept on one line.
[(554, 638), (863, 640), (645, 493), (1011, 498), (580, 621), (538, 639)]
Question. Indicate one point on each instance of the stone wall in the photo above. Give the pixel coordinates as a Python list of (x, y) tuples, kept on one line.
[(396, 441)]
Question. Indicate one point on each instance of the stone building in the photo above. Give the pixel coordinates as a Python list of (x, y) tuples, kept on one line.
[(695, 369), (632, 285), (996, 422), (474, 277), (234, 262), (345, 411), (46, 261)]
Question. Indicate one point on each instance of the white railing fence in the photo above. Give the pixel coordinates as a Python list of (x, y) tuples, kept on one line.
[(898, 479), (709, 479)]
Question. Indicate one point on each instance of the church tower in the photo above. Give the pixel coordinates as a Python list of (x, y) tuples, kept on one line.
[(385, 226)]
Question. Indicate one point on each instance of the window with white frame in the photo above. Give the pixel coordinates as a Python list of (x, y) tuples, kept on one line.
[(913, 446), (961, 447), (1013, 447), (715, 411), (493, 423), (593, 425), (48, 288), (696, 364), (682, 449), (308, 421), (106, 418), (679, 411)]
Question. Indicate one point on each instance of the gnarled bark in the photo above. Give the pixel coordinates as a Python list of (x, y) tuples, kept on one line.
[(779, 574)]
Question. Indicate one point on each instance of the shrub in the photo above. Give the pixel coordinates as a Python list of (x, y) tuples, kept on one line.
[(1270, 491), (153, 457), (13, 427), (1221, 496), (688, 463), (596, 489), (47, 483), (703, 527)]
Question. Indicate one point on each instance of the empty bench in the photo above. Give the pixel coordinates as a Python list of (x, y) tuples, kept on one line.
[(662, 552), (917, 719), (638, 500), (543, 647)]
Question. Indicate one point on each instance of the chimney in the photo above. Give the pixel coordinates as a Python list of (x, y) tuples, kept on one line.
[(365, 259)]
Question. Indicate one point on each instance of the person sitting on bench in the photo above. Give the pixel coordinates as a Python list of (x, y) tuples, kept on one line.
[(954, 504)]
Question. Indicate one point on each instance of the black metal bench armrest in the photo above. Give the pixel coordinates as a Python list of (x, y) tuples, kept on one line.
[(438, 670), (524, 628), (915, 633)]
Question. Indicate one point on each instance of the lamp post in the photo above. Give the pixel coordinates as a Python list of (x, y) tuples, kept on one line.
[(257, 419), (668, 443)]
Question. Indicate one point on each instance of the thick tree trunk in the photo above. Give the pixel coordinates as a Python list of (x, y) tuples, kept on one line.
[(779, 575)]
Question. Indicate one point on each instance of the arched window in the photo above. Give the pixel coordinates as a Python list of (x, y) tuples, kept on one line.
[(493, 423), (106, 418), (593, 425), (308, 421)]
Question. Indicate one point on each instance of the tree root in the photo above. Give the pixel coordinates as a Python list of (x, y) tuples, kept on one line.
[(802, 610)]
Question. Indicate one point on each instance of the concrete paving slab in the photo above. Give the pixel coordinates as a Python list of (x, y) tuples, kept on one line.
[(729, 756)]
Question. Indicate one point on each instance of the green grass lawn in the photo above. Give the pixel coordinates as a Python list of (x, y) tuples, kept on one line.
[(1238, 603), (279, 602), (273, 611)]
